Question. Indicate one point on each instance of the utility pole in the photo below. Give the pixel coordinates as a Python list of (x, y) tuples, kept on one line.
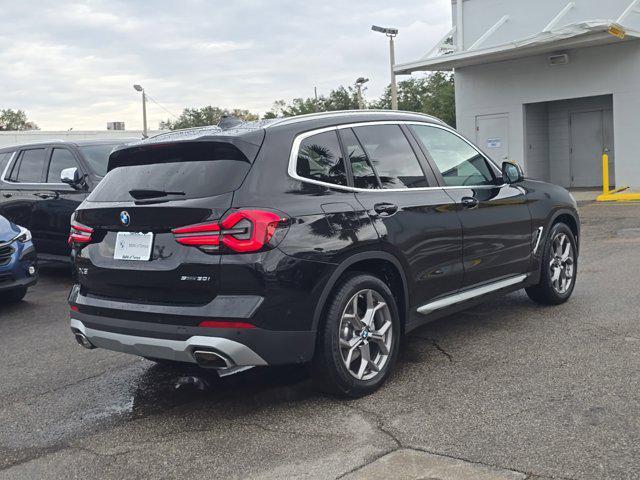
[(139, 88), (359, 82), (394, 86), (315, 93), (391, 33)]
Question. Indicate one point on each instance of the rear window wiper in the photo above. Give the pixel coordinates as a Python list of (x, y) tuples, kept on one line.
[(141, 194)]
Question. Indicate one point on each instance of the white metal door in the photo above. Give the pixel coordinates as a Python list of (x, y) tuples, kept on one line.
[(492, 136), (587, 146)]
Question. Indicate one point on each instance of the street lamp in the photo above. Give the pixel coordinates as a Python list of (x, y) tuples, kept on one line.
[(359, 82), (391, 33), (138, 88)]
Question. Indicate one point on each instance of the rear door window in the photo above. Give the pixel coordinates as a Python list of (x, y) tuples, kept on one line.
[(392, 156), (458, 162), (361, 169), (61, 158), (29, 166), (320, 159)]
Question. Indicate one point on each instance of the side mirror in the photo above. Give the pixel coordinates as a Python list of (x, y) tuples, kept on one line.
[(511, 173), (71, 176)]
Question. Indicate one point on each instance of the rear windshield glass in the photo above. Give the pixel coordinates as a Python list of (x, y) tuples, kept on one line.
[(97, 156), (172, 172)]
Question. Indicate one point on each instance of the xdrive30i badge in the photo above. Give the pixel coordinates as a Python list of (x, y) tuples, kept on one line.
[(188, 278), (125, 218)]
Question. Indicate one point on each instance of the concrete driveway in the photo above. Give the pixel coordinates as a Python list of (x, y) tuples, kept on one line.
[(506, 390)]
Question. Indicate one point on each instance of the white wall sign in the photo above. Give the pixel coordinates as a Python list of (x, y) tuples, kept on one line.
[(494, 142)]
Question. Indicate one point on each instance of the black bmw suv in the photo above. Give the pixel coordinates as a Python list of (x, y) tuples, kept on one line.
[(319, 239)]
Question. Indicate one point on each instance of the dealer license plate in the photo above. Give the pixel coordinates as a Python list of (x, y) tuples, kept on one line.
[(133, 246)]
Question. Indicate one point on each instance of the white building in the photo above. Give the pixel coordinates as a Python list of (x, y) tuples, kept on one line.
[(23, 137), (551, 84)]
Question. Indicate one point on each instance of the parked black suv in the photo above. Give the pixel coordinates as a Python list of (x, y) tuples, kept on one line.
[(34, 194), (318, 239)]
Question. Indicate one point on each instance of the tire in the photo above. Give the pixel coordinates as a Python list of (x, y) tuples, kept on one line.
[(552, 291), (13, 296), (374, 334)]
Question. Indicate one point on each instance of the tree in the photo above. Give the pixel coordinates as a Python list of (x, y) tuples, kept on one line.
[(15, 120), (342, 98), (433, 95), (201, 117)]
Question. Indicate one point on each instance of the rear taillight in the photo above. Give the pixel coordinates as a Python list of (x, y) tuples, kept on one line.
[(225, 324), (241, 231), (79, 234)]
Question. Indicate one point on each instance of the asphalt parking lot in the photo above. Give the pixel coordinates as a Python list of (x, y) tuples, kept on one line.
[(506, 390)]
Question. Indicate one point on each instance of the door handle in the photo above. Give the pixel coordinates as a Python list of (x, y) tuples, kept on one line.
[(469, 202), (385, 209), (43, 196), (7, 195)]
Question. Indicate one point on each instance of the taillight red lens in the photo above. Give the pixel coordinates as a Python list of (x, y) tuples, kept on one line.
[(249, 230), (225, 324), (79, 234), (241, 231), (203, 234)]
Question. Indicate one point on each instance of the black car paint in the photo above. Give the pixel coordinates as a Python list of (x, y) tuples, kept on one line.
[(433, 246), (46, 208)]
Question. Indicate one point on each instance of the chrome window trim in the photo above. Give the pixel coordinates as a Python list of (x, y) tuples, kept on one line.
[(293, 158), (36, 184), (470, 294)]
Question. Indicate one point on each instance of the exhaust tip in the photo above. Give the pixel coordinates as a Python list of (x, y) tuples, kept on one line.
[(84, 341), (209, 359)]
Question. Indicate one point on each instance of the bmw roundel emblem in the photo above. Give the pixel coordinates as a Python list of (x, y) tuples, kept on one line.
[(124, 217)]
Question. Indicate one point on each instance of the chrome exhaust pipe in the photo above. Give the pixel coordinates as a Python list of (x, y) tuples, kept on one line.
[(209, 359), (83, 340)]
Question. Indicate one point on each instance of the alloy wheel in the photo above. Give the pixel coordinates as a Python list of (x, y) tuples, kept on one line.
[(562, 263), (366, 334)]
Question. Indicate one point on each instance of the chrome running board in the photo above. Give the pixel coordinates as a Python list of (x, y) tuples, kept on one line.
[(469, 294)]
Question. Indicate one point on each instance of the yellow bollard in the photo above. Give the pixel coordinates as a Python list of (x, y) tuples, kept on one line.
[(605, 173)]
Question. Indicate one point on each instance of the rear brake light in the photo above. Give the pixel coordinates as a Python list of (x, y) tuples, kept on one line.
[(79, 234), (241, 231), (225, 324)]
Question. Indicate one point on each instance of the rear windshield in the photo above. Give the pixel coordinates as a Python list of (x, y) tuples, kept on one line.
[(175, 172), (97, 156)]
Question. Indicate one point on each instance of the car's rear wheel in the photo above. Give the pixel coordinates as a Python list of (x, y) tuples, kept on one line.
[(359, 339), (13, 296), (559, 268)]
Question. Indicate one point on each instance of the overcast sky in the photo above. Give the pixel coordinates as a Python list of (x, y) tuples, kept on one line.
[(72, 64)]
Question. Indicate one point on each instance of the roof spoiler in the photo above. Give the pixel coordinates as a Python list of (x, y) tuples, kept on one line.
[(243, 147)]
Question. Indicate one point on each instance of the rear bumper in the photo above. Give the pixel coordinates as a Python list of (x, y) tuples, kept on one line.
[(239, 347), (236, 354)]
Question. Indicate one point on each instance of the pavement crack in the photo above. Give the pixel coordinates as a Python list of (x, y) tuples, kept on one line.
[(362, 465), (437, 346), (435, 343)]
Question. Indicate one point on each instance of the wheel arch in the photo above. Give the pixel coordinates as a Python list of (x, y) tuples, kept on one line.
[(368, 262), (570, 218)]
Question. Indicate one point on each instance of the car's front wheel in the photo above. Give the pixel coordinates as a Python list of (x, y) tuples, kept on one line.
[(359, 339), (559, 268)]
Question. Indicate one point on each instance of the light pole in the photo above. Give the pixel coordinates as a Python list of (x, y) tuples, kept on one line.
[(359, 82), (139, 88), (391, 33)]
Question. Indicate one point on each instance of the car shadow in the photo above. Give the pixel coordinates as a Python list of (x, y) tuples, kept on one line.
[(162, 387)]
